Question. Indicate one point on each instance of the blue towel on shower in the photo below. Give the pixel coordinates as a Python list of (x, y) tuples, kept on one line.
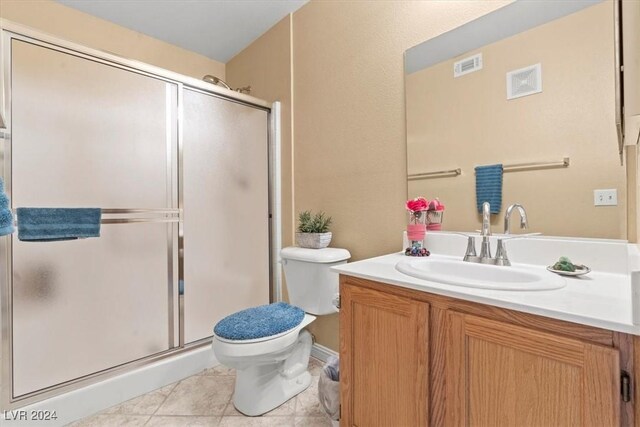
[(54, 224), (259, 322), (489, 187), (6, 216)]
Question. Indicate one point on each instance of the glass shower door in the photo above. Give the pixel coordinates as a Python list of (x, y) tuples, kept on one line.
[(89, 134), (226, 206)]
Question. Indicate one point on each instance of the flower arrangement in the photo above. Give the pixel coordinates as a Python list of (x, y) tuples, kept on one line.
[(435, 213), (417, 227), (435, 205), (417, 205), (423, 215)]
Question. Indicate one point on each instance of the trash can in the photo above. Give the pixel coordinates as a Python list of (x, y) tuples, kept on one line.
[(329, 389)]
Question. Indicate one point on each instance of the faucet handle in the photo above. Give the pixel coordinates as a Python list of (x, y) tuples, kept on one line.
[(470, 255), (485, 251), (501, 254)]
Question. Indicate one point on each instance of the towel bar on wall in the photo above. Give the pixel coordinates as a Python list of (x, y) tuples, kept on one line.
[(515, 167), (564, 163), (536, 165), (436, 174)]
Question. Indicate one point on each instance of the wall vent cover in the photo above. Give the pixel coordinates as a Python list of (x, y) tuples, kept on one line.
[(467, 65), (525, 81)]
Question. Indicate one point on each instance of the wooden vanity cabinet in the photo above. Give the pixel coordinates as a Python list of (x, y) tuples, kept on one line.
[(410, 358), (498, 374), (388, 359)]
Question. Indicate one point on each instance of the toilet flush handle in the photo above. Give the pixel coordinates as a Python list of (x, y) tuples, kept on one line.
[(336, 302)]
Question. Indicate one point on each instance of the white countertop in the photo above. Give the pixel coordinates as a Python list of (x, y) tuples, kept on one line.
[(601, 298)]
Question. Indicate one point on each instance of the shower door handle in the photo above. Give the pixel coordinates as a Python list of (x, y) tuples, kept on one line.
[(128, 216)]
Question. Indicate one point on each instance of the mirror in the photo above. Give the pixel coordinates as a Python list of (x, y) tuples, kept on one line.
[(555, 137)]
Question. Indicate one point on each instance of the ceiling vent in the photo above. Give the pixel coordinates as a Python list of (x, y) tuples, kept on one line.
[(467, 65), (525, 81)]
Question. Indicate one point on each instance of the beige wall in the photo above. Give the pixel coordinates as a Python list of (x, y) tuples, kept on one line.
[(467, 121), (72, 25), (349, 129)]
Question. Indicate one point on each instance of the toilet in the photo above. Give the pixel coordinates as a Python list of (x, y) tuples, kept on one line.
[(268, 345)]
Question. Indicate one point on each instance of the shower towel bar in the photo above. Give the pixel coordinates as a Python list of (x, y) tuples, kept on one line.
[(176, 215), (436, 174), (514, 167), (135, 220), (140, 210)]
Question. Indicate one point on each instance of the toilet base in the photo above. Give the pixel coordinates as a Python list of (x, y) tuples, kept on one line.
[(263, 387)]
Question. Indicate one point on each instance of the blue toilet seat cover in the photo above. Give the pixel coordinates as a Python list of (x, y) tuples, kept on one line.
[(259, 322)]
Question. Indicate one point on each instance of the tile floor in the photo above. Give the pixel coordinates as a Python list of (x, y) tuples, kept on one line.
[(205, 400)]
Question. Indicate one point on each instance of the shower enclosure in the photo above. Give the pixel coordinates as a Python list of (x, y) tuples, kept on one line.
[(181, 171)]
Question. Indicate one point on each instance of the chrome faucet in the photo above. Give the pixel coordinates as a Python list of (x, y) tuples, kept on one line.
[(507, 217), (501, 257), (501, 252), (485, 249)]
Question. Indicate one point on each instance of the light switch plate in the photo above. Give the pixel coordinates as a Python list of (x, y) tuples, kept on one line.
[(605, 197)]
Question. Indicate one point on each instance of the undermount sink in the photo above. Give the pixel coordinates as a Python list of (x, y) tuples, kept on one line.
[(472, 275)]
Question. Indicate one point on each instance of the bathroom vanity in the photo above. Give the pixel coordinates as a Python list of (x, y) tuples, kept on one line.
[(437, 341), (416, 353)]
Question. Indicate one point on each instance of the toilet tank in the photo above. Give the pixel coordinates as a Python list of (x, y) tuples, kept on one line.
[(311, 284)]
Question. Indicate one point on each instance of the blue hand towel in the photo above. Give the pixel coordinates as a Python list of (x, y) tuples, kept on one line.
[(489, 187), (54, 224), (6, 216)]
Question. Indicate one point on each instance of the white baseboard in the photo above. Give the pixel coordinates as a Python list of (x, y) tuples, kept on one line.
[(88, 400), (321, 352)]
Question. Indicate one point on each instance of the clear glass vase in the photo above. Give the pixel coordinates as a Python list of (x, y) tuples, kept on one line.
[(417, 228)]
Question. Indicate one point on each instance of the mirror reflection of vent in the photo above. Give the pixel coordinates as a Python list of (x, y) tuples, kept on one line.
[(467, 65), (525, 81)]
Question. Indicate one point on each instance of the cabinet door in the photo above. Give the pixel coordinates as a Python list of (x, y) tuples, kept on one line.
[(384, 341), (499, 374)]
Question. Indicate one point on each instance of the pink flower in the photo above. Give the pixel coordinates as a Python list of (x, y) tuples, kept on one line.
[(436, 205), (417, 204)]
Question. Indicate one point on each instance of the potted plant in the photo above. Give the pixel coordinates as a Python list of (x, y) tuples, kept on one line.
[(313, 230)]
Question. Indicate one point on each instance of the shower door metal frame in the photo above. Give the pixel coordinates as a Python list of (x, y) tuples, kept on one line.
[(10, 31)]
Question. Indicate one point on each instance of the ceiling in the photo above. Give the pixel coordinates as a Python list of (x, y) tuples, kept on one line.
[(218, 29)]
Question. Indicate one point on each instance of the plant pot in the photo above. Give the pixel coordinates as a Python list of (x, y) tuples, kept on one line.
[(313, 240)]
